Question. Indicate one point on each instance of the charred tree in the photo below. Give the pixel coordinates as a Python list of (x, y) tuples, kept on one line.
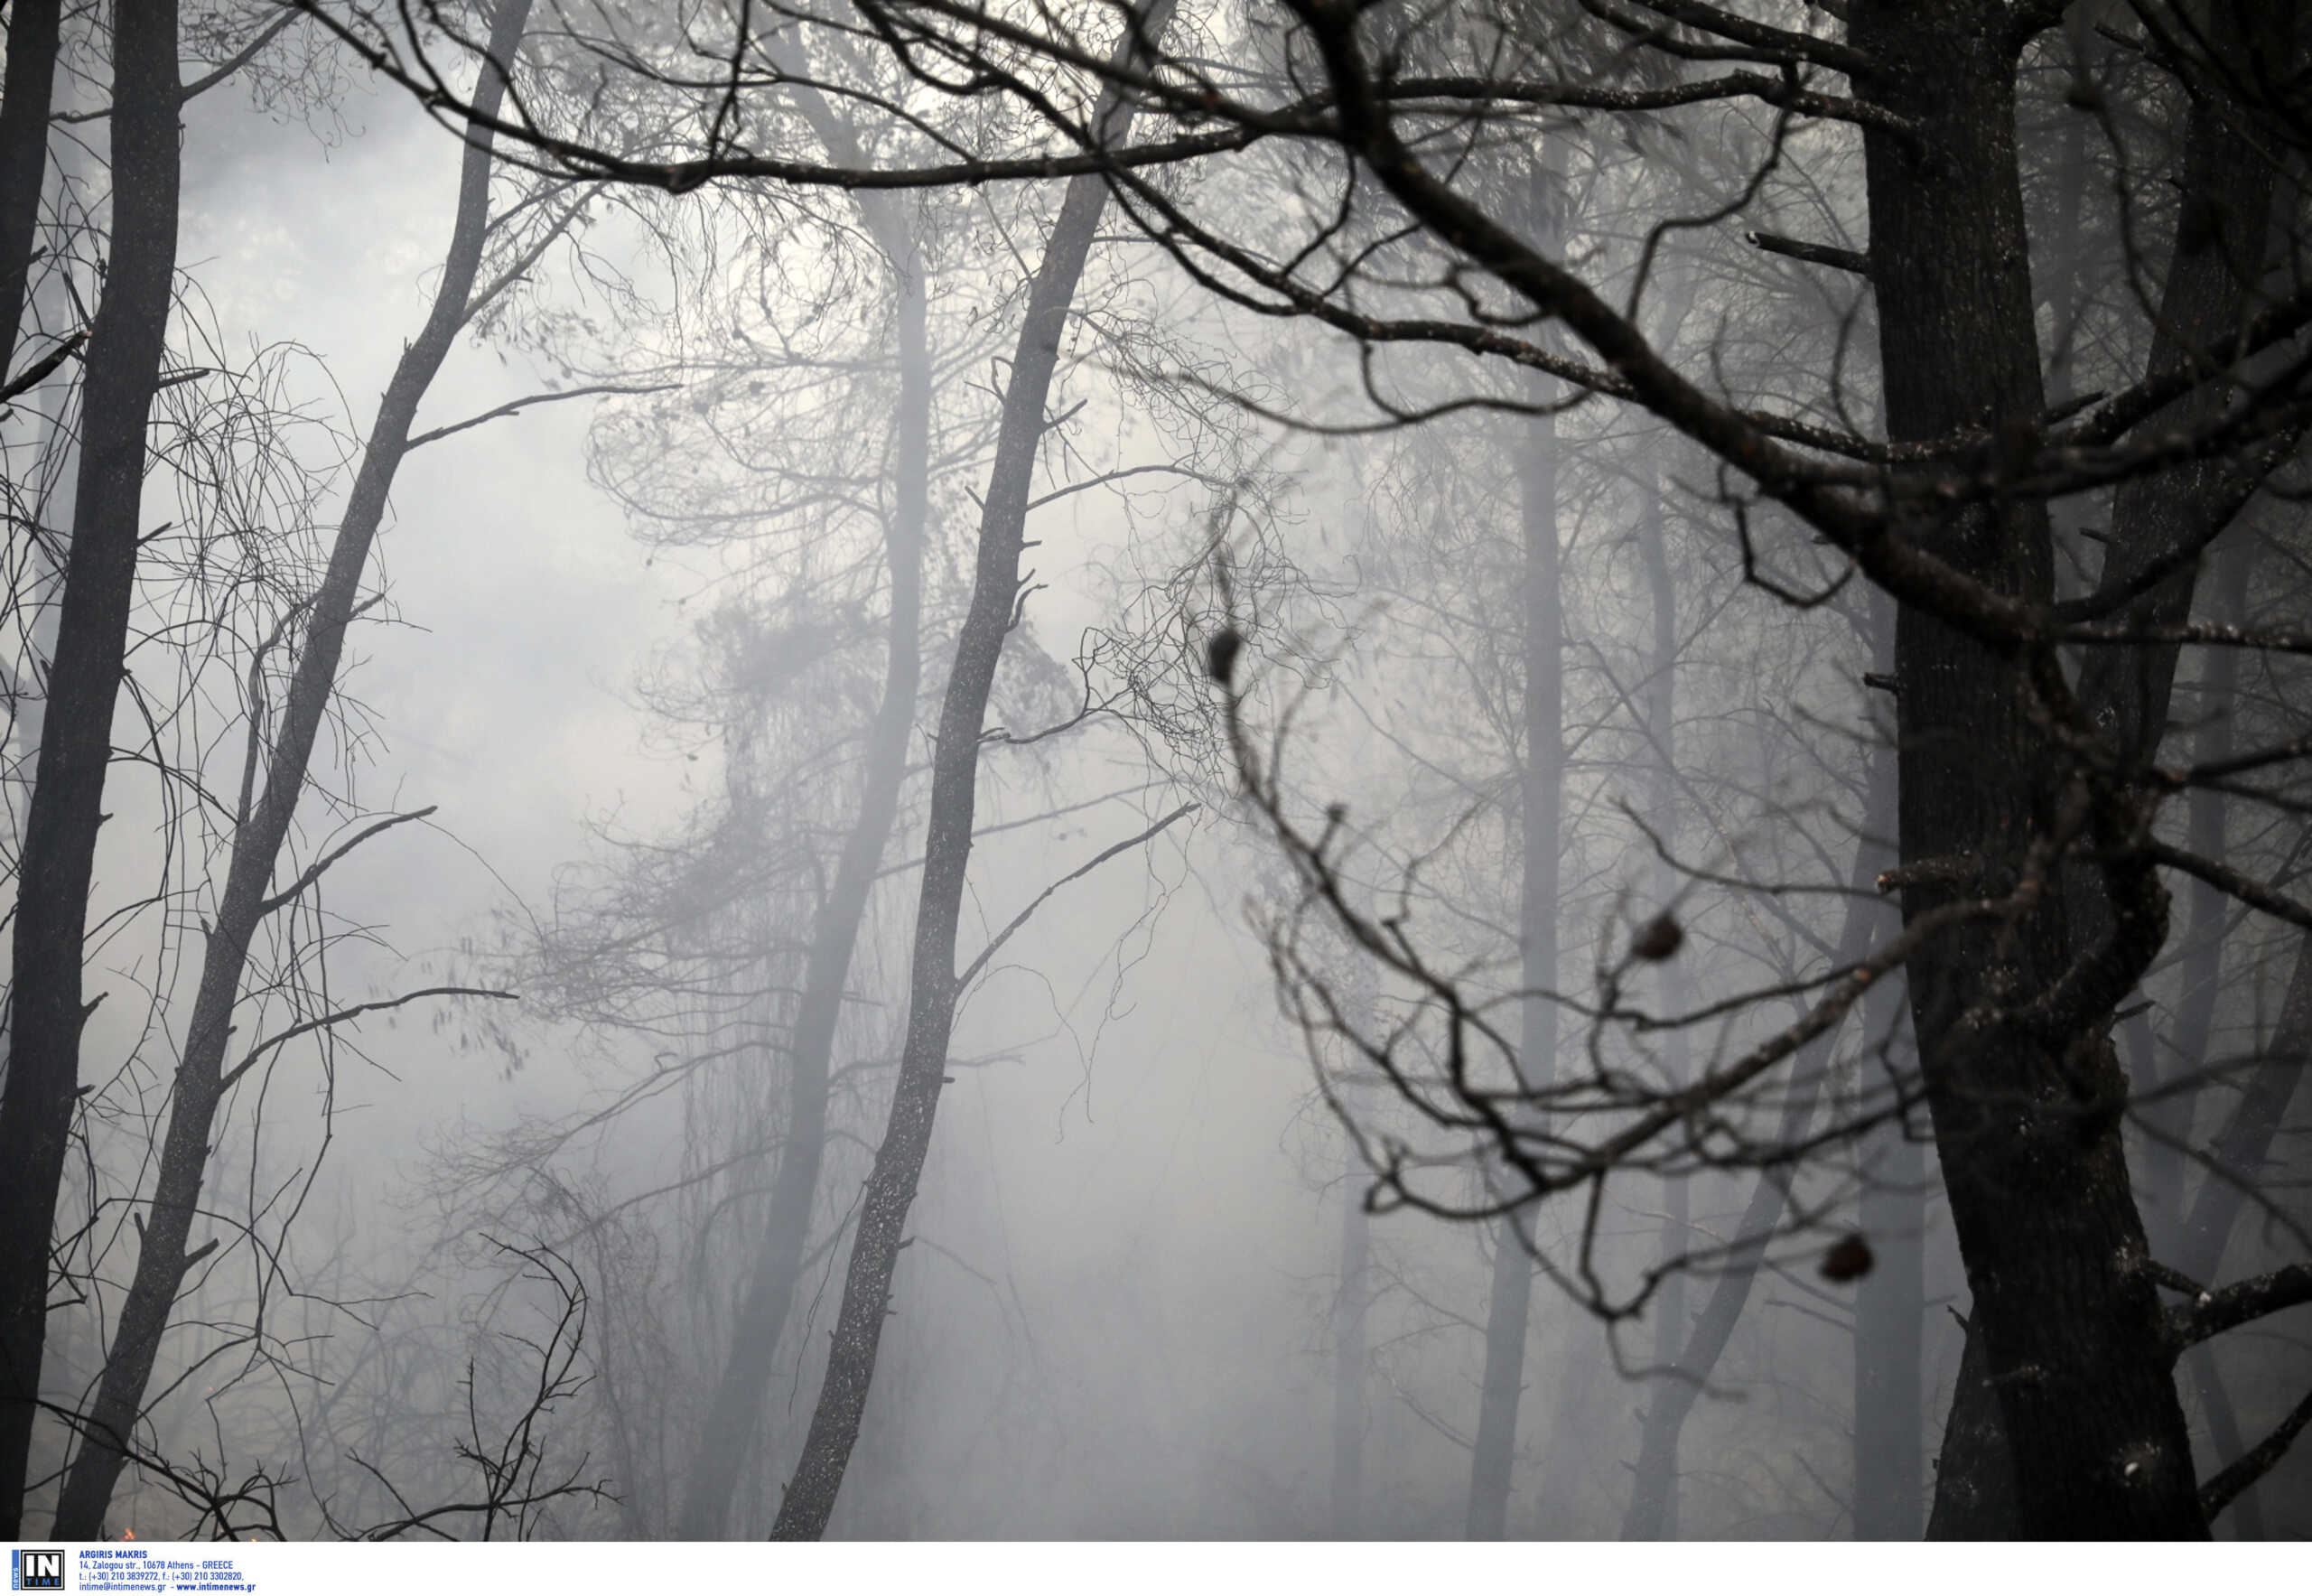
[(25, 103), (45, 988), (2026, 1114), (203, 1077), (994, 608), (2159, 526)]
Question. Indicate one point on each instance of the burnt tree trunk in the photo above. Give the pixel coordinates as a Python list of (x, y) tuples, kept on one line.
[(123, 367), (736, 1412), (995, 599), (25, 100), (2098, 1245), (2026, 1114), (201, 1079)]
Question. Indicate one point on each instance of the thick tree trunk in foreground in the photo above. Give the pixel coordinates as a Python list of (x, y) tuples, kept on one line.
[(1974, 1497), (25, 100), (995, 596), (201, 1079), (1974, 1475), (736, 1412), (124, 362), (2113, 1355), (2027, 1122)]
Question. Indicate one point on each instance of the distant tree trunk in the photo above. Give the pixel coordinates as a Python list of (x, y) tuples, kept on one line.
[(201, 1081), (1509, 1299), (123, 367), (1889, 1330), (2240, 1154), (995, 596), (2064, 258), (1509, 1305), (1673, 1396), (2160, 1158), (1348, 1369), (1541, 799), (736, 1412), (2197, 1254), (24, 99), (50, 501), (1677, 1063)]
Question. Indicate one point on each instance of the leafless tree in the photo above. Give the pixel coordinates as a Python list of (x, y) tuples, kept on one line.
[(2028, 721)]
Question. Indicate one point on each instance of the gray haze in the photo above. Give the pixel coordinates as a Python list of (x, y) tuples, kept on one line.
[(1122, 1308)]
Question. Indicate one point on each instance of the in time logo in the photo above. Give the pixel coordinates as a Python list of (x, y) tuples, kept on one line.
[(36, 1570)]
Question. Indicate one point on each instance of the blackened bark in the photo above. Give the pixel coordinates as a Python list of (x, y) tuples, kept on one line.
[(2210, 289), (201, 1079), (25, 100), (2026, 1123), (1974, 1474), (995, 596), (123, 366), (736, 1412)]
